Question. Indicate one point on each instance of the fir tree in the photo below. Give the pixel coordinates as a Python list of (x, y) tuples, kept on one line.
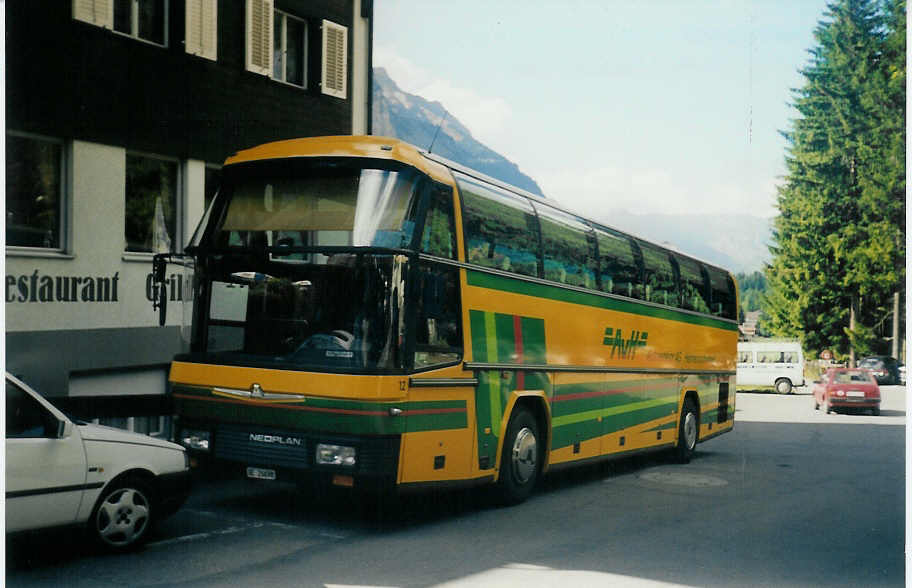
[(838, 249)]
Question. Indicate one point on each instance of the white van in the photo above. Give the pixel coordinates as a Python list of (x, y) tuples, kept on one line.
[(770, 364)]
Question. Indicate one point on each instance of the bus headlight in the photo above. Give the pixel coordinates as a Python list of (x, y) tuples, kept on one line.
[(195, 439), (335, 455)]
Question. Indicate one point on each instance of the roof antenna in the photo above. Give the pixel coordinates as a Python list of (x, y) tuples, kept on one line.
[(440, 124)]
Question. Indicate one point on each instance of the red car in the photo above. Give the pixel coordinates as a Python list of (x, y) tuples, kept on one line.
[(847, 388)]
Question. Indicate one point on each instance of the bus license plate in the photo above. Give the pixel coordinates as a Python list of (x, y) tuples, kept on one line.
[(261, 474)]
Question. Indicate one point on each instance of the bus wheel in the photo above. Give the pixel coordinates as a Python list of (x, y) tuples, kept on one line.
[(783, 385), (520, 462), (688, 430)]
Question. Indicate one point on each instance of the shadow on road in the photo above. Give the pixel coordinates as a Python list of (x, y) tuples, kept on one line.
[(245, 501), (43, 549)]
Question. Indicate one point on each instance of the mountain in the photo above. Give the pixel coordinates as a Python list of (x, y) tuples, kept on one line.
[(735, 242), (415, 120)]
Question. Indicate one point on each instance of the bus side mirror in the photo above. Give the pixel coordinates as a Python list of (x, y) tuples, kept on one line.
[(159, 263), (162, 304)]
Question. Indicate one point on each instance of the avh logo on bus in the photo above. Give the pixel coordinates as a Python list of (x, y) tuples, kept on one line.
[(624, 348)]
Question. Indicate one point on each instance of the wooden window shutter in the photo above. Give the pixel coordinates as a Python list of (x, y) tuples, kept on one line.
[(201, 34), (335, 60), (259, 36), (96, 12)]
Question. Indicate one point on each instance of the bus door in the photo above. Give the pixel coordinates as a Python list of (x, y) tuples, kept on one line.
[(438, 442)]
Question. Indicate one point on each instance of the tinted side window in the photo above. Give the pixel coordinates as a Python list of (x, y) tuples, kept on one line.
[(438, 335), (694, 289), (501, 229), (620, 266), (659, 276), (25, 417), (439, 236), (568, 246), (722, 301)]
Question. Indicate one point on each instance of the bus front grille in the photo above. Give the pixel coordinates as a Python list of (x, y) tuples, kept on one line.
[(267, 447), (262, 446)]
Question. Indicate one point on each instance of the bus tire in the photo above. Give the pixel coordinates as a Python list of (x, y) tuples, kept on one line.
[(783, 386), (688, 432), (520, 462)]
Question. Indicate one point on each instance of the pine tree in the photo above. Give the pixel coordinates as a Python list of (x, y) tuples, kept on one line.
[(838, 249)]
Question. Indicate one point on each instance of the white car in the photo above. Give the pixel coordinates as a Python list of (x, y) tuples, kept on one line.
[(59, 473)]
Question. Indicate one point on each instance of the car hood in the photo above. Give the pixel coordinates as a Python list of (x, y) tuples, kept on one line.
[(102, 433)]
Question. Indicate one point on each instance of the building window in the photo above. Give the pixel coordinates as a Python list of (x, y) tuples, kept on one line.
[(151, 204), (142, 19), (277, 47), (34, 192), (289, 62)]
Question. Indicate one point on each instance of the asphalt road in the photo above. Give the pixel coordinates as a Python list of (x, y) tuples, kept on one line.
[(792, 497)]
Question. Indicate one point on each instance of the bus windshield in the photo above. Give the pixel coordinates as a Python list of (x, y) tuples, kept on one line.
[(344, 315), (328, 204), (299, 269)]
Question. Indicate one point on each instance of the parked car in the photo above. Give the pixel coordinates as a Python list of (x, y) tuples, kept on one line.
[(884, 368), (847, 388), (61, 472)]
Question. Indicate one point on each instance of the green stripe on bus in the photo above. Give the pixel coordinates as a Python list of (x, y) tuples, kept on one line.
[(613, 410), (664, 427), (494, 392), (571, 431), (533, 331), (479, 336), (322, 414), (503, 338), (518, 286)]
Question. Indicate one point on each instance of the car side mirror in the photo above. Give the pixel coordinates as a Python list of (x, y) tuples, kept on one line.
[(64, 428)]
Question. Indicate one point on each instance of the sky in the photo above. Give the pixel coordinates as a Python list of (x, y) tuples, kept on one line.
[(649, 106)]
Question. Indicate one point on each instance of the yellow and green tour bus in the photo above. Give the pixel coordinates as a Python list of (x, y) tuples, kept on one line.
[(373, 314)]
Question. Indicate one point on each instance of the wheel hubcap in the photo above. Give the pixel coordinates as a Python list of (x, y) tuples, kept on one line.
[(525, 455), (690, 430), (122, 517)]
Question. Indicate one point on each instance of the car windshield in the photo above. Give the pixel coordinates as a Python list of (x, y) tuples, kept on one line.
[(871, 363), (851, 377)]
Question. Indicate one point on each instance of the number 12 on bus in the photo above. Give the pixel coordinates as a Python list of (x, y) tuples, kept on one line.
[(377, 316)]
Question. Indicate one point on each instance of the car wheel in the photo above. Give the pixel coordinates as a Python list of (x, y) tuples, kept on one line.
[(875, 411), (520, 462), (783, 386), (688, 432), (123, 515)]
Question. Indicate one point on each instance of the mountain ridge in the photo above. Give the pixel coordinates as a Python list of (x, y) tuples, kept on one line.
[(429, 125)]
